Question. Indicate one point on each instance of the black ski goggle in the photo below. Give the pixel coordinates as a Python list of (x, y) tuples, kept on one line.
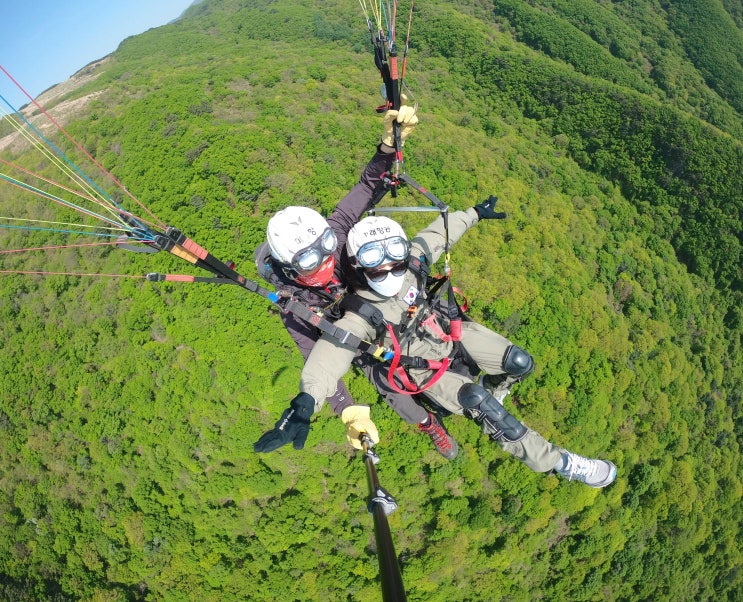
[(310, 258)]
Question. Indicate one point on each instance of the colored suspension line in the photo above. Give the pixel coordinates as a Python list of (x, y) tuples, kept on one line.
[(53, 183), (111, 220), (56, 199), (49, 150), (89, 191), (94, 275), (61, 129), (57, 247)]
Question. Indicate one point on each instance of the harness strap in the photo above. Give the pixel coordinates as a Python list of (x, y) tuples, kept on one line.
[(341, 335), (366, 310), (431, 323), (420, 267), (397, 370), (453, 310)]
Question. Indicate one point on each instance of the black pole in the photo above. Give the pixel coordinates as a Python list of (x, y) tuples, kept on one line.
[(382, 504)]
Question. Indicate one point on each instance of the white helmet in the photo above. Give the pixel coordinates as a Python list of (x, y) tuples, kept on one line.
[(303, 243), (380, 247)]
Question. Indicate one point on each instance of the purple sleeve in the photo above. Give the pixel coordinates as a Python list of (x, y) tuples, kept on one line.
[(360, 198), (346, 214)]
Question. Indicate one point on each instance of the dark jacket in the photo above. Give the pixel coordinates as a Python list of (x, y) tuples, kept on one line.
[(347, 213)]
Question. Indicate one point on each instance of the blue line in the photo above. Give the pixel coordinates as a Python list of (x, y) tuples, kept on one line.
[(64, 202), (39, 228), (62, 155)]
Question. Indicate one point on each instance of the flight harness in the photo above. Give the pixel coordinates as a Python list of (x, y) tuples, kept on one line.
[(421, 312), (175, 242), (392, 72)]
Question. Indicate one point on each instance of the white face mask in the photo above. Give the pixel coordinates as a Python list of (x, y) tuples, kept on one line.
[(388, 287)]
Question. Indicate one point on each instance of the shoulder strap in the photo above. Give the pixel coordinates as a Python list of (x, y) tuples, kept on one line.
[(420, 266), (363, 308), (297, 308)]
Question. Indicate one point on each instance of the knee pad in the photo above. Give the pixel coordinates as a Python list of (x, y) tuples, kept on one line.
[(517, 362), (484, 409)]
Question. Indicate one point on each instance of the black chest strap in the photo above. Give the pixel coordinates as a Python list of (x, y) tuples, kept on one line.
[(366, 310)]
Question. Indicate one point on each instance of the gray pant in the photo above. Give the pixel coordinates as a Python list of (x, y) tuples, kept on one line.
[(487, 349), (404, 405)]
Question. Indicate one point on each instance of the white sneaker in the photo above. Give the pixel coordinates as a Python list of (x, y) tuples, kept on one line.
[(594, 473)]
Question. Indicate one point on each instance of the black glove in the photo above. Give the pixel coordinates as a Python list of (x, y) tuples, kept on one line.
[(486, 209), (294, 425)]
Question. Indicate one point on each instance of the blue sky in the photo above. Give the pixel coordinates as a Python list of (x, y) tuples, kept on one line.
[(43, 42)]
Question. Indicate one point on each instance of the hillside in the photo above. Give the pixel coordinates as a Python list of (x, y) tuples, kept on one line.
[(611, 132)]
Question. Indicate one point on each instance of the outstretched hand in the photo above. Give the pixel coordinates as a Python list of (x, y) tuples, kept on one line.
[(486, 209), (293, 426)]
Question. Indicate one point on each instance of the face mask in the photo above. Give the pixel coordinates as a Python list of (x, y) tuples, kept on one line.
[(319, 277), (389, 286)]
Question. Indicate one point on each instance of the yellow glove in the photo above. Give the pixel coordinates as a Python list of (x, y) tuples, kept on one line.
[(357, 421), (407, 119)]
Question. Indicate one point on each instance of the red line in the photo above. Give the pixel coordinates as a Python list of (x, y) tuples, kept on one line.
[(52, 182), (53, 247), (407, 41), (394, 21), (77, 144)]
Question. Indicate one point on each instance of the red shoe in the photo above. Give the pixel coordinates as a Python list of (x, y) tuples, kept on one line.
[(442, 441)]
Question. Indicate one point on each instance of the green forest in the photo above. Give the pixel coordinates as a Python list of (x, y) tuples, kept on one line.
[(612, 133)]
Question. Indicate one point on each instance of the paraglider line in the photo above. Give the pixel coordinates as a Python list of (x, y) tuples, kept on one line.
[(55, 247), (76, 143), (41, 273)]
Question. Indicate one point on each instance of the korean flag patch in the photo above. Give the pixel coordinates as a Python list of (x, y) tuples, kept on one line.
[(411, 295)]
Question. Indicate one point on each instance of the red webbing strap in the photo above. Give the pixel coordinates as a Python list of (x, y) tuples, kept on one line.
[(431, 323), (396, 369), (465, 305), (455, 321)]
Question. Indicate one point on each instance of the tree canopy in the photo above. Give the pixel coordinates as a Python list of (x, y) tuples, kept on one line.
[(611, 133)]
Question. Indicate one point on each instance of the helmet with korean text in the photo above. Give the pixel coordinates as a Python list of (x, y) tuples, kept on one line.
[(302, 243), (379, 247)]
